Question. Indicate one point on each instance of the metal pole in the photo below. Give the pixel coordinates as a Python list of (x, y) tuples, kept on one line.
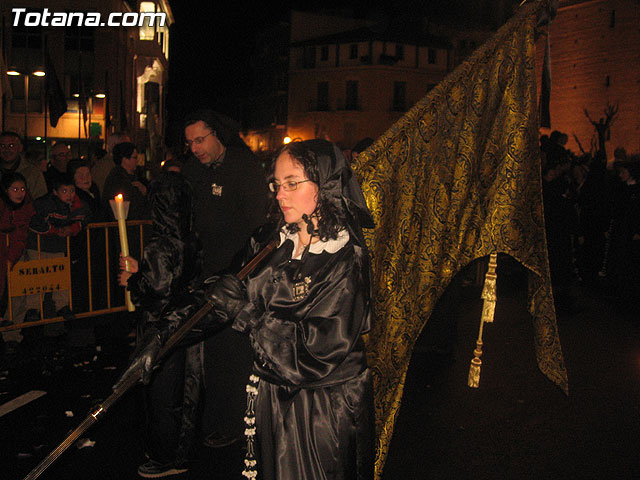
[(26, 107), (133, 379)]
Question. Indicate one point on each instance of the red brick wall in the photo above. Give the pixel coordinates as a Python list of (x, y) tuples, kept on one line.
[(585, 50)]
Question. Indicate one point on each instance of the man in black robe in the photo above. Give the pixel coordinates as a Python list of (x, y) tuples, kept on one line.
[(231, 197)]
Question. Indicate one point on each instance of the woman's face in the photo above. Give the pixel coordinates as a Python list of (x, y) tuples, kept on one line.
[(17, 191), (303, 199), (82, 178)]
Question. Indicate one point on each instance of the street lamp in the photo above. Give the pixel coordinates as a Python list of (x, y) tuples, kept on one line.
[(38, 72)]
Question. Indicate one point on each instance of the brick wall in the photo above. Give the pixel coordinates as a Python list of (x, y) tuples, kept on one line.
[(595, 59)]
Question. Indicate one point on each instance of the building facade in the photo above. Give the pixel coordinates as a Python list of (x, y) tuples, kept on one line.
[(348, 85), (595, 62), (113, 77)]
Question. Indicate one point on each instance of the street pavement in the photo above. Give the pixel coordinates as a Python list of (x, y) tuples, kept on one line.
[(516, 425)]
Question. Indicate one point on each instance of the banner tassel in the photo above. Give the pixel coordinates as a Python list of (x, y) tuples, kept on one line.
[(489, 298)]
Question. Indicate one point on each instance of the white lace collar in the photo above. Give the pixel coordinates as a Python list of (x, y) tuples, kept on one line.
[(330, 246)]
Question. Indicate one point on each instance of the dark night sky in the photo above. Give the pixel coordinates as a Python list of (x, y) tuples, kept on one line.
[(212, 43)]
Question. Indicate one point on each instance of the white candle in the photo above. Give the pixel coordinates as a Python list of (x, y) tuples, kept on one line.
[(121, 217)]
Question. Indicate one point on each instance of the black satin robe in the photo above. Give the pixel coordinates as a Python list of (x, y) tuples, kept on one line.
[(170, 264), (314, 409)]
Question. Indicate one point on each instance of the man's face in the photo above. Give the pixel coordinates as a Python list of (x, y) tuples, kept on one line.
[(10, 148), (203, 143), (65, 193), (130, 164), (59, 156)]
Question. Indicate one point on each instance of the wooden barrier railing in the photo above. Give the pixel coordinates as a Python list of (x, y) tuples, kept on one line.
[(95, 276)]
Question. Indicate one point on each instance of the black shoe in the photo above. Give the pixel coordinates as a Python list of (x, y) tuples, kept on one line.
[(218, 440), (153, 469)]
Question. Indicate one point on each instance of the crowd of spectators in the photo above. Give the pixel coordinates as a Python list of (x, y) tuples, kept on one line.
[(592, 220), (46, 201), (592, 217)]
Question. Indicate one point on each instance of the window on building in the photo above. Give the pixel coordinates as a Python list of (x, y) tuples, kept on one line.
[(163, 40), (399, 96), (351, 102), (323, 96), (27, 37), (147, 31), (310, 57), (353, 50), (324, 53), (79, 38), (433, 56), (399, 51), (26, 52), (36, 93)]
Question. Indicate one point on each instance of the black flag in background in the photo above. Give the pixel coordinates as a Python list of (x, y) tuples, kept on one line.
[(54, 94)]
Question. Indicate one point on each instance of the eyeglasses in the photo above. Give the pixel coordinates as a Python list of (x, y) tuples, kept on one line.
[(286, 186), (197, 140), (18, 189)]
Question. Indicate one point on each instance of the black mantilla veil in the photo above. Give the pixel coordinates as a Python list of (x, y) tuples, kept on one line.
[(339, 194)]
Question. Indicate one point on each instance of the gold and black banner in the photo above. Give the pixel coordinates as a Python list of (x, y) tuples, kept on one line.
[(455, 179)]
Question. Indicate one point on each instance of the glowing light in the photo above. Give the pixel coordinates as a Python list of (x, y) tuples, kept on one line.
[(286, 140), (39, 73), (100, 95)]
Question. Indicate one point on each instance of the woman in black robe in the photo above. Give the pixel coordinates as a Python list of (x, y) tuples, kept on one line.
[(310, 396)]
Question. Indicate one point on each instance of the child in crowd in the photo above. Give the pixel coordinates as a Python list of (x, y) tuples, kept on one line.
[(59, 214), (16, 210)]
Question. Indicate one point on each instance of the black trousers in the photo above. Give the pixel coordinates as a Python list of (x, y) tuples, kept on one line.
[(173, 406)]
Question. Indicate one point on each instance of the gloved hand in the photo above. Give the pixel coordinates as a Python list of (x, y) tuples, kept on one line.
[(228, 297), (142, 364)]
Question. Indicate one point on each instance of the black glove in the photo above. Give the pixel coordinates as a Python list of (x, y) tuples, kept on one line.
[(142, 364), (228, 297)]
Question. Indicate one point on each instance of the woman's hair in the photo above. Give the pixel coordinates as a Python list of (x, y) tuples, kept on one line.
[(9, 179), (74, 164), (331, 219)]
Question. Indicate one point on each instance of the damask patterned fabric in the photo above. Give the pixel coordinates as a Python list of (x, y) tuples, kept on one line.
[(457, 178)]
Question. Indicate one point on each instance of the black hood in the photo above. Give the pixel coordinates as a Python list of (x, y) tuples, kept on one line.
[(171, 200), (341, 188)]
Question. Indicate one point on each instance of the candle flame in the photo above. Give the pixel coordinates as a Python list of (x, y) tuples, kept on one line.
[(118, 197)]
